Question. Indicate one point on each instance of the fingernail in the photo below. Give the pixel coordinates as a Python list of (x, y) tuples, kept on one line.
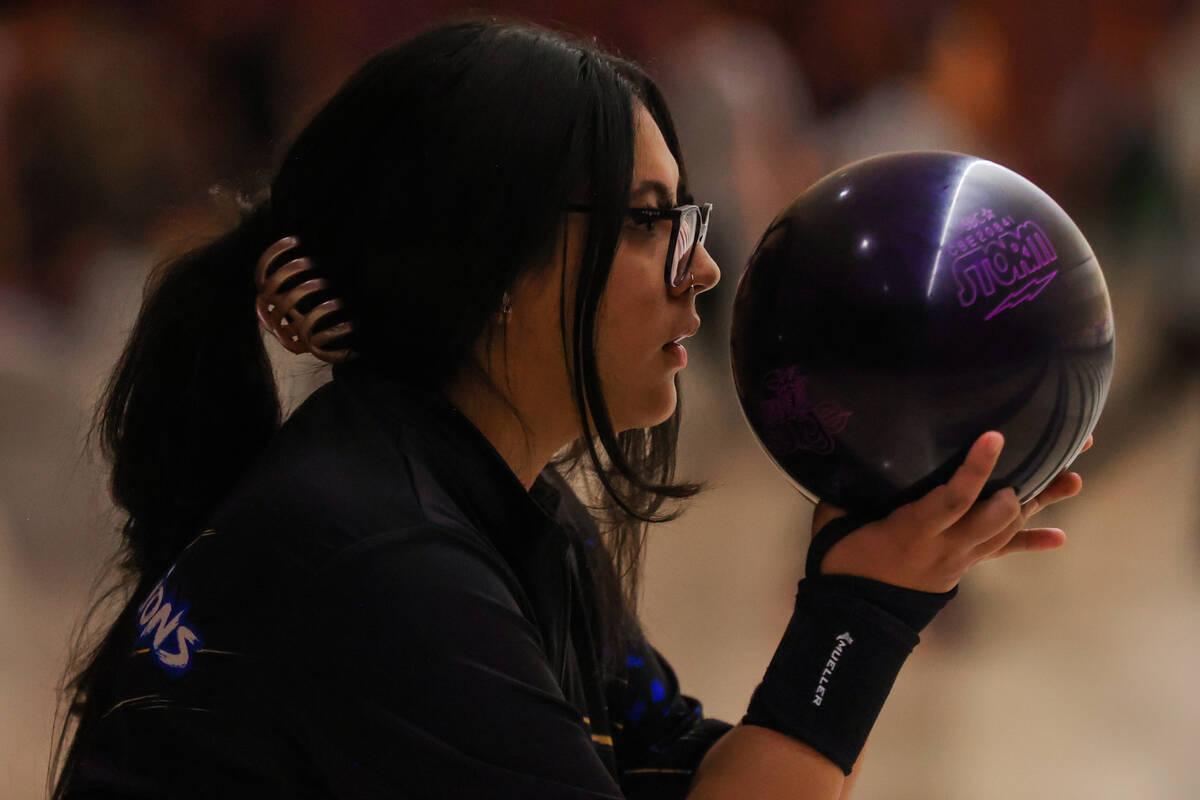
[(995, 444)]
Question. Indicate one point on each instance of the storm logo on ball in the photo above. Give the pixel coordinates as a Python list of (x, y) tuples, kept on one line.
[(794, 423), (998, 253)]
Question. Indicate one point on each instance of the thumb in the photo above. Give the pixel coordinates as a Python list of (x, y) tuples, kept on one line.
[(823, 514)]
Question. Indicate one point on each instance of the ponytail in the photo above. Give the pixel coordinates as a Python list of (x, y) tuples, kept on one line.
[(192, 400), (186, 411)]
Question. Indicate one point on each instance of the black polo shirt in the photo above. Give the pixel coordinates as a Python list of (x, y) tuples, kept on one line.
[(382, 610)]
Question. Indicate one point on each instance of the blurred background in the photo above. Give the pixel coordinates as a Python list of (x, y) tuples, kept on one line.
[(125, 127)]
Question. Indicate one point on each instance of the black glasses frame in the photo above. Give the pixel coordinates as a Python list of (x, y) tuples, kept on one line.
[(673, 274)]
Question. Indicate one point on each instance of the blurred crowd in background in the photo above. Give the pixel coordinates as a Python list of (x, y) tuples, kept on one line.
[(128, 129)]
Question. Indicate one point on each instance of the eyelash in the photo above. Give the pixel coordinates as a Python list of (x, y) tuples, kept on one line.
[(644, 219)]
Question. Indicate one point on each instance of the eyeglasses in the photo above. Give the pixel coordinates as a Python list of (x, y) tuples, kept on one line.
[(689, 228)]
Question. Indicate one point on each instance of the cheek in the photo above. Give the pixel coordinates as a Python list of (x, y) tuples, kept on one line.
[(630, 313), (638, 381)]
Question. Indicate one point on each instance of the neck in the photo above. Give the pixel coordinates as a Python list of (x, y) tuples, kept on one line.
[(525, 448)]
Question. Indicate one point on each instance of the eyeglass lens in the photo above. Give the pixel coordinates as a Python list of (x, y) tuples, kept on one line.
[(689, 223)]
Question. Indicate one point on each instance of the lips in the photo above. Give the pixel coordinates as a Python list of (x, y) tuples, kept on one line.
[(684, 335)]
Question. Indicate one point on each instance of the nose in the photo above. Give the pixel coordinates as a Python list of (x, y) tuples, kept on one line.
[(705, 273)]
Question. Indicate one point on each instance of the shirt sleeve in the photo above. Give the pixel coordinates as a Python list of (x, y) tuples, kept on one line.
[(419, 676), (660, 735)]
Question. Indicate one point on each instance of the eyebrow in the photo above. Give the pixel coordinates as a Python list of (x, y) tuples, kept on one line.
[(658, 188)]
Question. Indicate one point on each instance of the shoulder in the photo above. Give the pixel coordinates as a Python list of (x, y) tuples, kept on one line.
[(330, 514), (330, 477), (425, 586), (421, 586)]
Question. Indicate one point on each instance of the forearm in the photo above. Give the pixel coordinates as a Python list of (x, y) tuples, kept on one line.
[(803, 737), (751, 761), (852, 778)]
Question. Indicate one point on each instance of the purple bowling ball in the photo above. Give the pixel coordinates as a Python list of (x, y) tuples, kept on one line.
[(904, 305)]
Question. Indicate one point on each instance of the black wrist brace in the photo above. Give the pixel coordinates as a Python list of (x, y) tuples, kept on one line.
[(837, 661), (830, 534)]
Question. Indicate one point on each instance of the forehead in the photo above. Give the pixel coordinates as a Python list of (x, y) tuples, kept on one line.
[(653, 162)]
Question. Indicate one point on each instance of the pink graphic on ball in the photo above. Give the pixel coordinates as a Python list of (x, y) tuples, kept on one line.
[(792, 422)]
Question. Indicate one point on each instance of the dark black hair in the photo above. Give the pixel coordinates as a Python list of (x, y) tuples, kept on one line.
[(436, 176)]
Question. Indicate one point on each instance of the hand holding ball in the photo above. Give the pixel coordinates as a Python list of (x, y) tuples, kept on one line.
[(907, 304)]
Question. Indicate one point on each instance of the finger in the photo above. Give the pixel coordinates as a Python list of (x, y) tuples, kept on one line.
[(1086, 446), (1064, 486), (946, 504), (997, 541), (1031, 540), (825, 513), (996, 518)]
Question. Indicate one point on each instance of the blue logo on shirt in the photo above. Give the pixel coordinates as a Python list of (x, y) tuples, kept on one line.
[(161, 622)]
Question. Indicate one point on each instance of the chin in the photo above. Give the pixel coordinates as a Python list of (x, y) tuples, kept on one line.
[(652, 410)]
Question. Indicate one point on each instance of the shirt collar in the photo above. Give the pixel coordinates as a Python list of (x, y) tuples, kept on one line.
[(463, 461)]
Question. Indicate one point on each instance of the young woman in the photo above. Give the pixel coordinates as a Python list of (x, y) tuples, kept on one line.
[(397, 593)]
